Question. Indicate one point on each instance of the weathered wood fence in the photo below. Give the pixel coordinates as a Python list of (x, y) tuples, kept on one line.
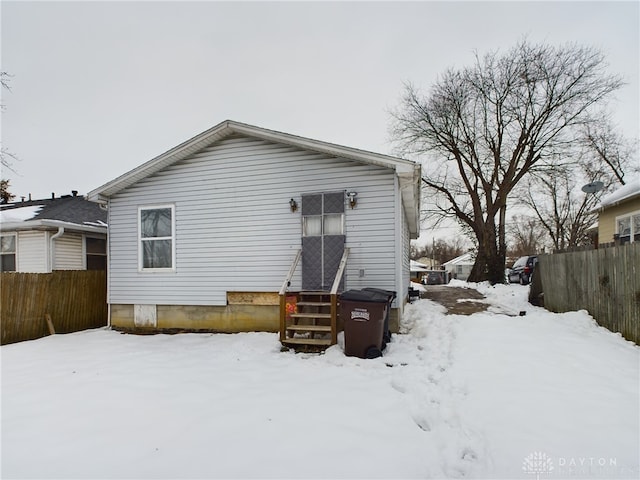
[(605, 282), (74, 300)]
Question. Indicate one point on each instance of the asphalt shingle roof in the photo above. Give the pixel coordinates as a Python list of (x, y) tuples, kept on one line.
[(68, 208)]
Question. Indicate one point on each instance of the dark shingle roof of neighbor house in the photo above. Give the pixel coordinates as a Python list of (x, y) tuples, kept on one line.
[(67, 208)]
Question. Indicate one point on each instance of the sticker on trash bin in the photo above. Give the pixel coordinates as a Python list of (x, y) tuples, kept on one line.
[(360, 315)]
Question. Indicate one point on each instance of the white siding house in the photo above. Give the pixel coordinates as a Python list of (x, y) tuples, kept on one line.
[(39, 236), (460, 267), (205, 234)]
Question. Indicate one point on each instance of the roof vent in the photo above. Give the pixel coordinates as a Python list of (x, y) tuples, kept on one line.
[(74, 193)]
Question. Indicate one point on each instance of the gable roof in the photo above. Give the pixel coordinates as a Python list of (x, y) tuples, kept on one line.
[(408, 171), (623, 194), (464, 259), (69, 211), (418, 267)]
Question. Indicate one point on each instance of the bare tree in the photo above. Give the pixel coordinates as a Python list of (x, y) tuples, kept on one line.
[(608, 153), (487, 126), (440, 250), (526, 235), (566, 212), (6, 157)]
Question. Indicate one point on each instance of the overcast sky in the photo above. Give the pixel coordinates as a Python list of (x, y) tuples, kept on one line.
[(99, 88)]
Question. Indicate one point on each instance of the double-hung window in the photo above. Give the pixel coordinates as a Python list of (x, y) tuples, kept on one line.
[(628, 228), (157, 244), (8, 253)]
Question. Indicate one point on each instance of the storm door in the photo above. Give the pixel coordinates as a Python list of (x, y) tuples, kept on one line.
[(323, 239)]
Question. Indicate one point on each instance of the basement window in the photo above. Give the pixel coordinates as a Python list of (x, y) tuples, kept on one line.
[(157, 238)]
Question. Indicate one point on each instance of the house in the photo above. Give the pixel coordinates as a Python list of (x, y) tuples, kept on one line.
[(242, 228), (418, 269), (619, 215), (460, 267), (59, 233), (431, 263)]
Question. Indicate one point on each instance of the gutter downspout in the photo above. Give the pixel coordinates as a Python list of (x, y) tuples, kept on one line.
[(59, 233)]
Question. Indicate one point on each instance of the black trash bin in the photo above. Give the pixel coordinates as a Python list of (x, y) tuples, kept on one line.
[(390, 295), (363, 313)]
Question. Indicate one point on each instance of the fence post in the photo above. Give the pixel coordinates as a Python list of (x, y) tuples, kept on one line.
[(47, 317)]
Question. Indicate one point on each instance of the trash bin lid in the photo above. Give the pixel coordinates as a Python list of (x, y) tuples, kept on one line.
[(364, 296), (389, 293)]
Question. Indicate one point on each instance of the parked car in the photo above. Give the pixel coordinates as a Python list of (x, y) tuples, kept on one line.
[(522, 270)]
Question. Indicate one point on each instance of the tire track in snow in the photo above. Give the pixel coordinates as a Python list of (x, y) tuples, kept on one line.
[(434, 397)]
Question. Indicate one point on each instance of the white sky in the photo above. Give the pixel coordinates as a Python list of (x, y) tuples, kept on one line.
[(99, 88)]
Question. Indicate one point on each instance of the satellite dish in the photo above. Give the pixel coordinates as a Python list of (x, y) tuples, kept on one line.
[(592, 187)]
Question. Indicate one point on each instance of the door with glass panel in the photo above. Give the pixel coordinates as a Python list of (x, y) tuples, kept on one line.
[(323, 239)]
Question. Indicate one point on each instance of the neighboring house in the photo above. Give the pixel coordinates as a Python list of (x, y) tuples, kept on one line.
[(63, 233), (418, 269), (619, 215), (431, 263), (207, 236), (460, 267)]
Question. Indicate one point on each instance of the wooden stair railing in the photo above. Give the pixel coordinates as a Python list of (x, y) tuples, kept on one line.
[(283, 295), (313, 323)]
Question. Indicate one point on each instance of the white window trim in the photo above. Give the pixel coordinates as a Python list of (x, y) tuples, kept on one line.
[(629, 215), (15, 249), (172, 207)]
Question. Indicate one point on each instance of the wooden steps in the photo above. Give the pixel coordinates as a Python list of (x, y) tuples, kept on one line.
[(310, 328), (321, 342), (312, 325), (311, 315)]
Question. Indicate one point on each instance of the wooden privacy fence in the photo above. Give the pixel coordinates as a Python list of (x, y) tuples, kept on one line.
[(74, 300), (605, 282)]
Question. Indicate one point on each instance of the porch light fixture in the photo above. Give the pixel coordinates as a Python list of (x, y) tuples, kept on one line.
[(293, 205), (352, 198)]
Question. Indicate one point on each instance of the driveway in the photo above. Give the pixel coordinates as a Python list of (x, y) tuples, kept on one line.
[(457, 300)]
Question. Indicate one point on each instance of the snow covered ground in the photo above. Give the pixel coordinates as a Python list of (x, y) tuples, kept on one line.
[(491, 395)]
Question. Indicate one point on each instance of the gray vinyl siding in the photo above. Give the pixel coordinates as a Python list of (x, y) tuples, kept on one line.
[(32, 250), (234, 227)]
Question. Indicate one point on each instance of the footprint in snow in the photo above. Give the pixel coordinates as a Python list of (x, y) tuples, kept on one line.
[(422, 422)]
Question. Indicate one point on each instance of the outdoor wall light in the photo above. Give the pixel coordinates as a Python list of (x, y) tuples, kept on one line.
[(352, 198), (293, 205)]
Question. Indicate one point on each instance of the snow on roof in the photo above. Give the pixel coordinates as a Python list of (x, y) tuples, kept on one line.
[(69, 211), (466, 258), (98, 223), (627, 192), (20, 214), (418, 267)]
